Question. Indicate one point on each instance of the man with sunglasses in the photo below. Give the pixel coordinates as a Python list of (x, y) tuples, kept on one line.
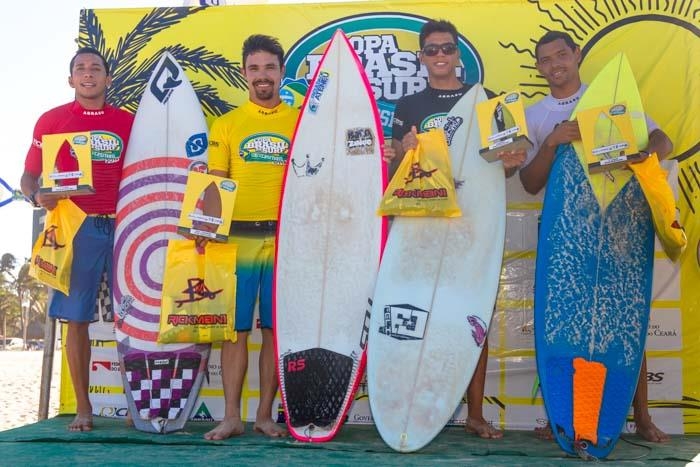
[(424, 111)]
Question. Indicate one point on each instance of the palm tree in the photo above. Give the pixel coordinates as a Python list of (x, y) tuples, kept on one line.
[(130, 75), (29, 292), (9, 304), (21, 296)]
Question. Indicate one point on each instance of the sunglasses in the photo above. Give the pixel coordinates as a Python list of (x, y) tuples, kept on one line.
[(432, 50)]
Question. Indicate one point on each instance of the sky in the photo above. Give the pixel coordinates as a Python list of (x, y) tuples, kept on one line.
[(38, 40)]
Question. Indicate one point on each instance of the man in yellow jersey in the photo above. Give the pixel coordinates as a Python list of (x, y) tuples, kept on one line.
[(250, 144)]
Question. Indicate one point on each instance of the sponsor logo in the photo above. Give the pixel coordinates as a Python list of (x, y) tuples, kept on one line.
[(362, 418), (479, 329), (387, 46), (656, 330), (228, 185), (305, 168), (105, 390), (265, 147), (198, 166), (432, 122), (359, 141), (190, 320), (202, 414), (296, 365), (165, 80), (161, 361), (417, 172), (106, 146), (36, 143), (618, 109), (418, 193), (50, 238), (123, 308), (512, 97), (113, 412), (196, 145), (365, 324), (655, 378), (45, 265), (404, 322), (451, 126), (196, 290), (214, 369), (105, 364), (80, 140), (320, 86)]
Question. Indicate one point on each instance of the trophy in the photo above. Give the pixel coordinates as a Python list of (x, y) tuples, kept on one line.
[(607, 137), (77, 181), (502, 125), (208, 199)]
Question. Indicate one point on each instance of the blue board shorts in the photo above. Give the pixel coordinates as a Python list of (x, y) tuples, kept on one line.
[(255, 262), (92, 256)]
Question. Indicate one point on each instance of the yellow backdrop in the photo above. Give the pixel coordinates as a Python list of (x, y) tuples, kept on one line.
[(662, 41)]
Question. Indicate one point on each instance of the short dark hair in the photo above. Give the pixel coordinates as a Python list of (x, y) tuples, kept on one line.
[(88, 50), (551, 36), (439, 25), (262, 43)]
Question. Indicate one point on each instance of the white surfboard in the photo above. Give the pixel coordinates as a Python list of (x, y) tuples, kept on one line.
[(435, 294), (328, 246), (168, 139)]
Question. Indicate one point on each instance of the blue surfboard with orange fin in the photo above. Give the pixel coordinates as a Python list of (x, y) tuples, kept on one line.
[(593, 284)]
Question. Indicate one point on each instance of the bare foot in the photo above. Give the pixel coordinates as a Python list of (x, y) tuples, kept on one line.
[(650, 432), (482, 429), (544, 432), (128, 420), (225, 429), (270, 428), (81, 423)]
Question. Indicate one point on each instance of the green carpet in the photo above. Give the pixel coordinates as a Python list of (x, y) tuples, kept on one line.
[(113, 443)]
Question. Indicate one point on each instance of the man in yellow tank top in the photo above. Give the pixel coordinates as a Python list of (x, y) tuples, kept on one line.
[(250, 144)]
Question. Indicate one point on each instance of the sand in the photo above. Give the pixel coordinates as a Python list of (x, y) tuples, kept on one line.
[(21, 375)]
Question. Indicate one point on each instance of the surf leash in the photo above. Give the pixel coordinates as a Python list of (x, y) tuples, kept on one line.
[(535, 386), (640, 445), (15, 194)]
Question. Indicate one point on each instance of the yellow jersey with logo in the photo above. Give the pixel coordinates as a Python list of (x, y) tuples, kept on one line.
[(251, 144)]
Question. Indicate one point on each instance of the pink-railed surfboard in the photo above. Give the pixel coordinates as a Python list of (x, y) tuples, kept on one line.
[(329, 245)]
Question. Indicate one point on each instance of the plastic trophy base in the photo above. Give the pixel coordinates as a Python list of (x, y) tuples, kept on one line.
[(71, 190), (620, 162), (509, 144), (191, 231)]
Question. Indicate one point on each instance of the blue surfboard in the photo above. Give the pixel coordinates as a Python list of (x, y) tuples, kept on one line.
[(593, 286)]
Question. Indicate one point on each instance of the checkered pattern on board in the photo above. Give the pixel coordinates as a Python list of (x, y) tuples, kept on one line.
[(161, 382)]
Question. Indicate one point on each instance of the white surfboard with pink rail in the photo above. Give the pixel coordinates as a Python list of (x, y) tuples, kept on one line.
[(329, 246)]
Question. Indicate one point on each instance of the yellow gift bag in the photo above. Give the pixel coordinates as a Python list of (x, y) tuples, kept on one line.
[(52, 255), (423, 183), (199, 293), (653, 180)]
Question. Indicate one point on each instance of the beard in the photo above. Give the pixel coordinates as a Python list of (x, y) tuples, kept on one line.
[(264, 94)]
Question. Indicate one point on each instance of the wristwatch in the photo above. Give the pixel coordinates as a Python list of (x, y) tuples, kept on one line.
[(32, 199)]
